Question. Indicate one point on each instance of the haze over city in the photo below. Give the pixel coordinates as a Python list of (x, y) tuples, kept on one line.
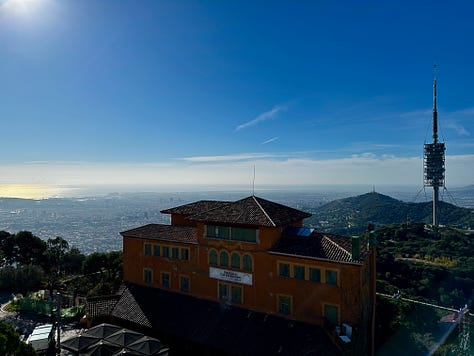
[(189, 93)]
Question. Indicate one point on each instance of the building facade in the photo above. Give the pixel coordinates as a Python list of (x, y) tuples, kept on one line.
[(255, 254)]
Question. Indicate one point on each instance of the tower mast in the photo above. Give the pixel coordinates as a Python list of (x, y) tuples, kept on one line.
[(434, 166)]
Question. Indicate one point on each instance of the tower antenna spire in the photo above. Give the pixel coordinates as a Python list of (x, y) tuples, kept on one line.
[(435, 108)]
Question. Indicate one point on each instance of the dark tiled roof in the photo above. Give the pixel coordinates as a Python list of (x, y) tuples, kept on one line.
[(196, 207), (253, 211), (220, 328), (164, 232), (319, 245)]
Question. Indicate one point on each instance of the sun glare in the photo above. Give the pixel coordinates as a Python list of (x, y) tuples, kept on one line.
[(20, 8), (27, 191)]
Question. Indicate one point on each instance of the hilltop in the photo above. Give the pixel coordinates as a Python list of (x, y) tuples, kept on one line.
[(350, 215)]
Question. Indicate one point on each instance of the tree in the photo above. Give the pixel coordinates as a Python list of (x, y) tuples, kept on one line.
[(29, 248), (55, 251), (10, 344), (73, 260), (7, 244)]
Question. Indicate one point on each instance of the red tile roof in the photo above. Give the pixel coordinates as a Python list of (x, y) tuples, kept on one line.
[(252, 211), (164, 232), (196, 207), (320, 245)]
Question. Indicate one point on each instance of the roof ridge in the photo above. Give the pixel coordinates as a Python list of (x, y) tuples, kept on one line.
[(263, 210), (336, 244)]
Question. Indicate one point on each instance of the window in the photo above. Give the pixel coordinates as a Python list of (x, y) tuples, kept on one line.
[(165, 280), (284, 270), (235, 260), (220, 232), (156, 250), (147, 275), (185, 254), (224, 259), (331, 313), (213, 258), (223, 291), (331, 277), (231, 233), (147, 250), (166, 251), (284, 304), (244, 234), (314, 274), (236, 296), (211, 231), (175, 253), (298, 272), (184, 284), (230, 293), (247, 262)]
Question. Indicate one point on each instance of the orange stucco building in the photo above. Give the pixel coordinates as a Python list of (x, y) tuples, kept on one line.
[(256, 254)]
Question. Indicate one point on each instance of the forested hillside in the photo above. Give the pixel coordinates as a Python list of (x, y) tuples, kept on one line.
[(350, 215)]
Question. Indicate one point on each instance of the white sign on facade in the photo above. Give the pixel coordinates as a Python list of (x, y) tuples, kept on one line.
[(230, 276)]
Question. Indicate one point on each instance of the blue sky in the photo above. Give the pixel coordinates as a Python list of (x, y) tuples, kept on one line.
[(198, 92)]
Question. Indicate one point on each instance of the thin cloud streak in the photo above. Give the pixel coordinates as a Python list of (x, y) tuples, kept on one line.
[(268, 115), (270, 140), (229, 158)]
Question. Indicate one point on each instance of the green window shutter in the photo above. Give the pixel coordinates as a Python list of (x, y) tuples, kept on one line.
[(184, 254), (247, 262), (236, 294), (184, 282), (284, 305), (224, 259), (223, 232), (235, 260), (223, 291), (156, 250), (147, 275), (331, 277), (314, 274), (213, 258), (211, 231), (298, 272), (165, 280), (284, 270), (147, 250)]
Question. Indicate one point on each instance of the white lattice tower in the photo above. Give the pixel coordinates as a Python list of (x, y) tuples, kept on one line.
[(464, 333)]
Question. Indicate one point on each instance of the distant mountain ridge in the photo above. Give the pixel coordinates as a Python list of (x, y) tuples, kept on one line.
[(351, 215)]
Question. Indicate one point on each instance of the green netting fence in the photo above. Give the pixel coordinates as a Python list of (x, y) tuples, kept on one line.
[(46, 308), (36, 306)]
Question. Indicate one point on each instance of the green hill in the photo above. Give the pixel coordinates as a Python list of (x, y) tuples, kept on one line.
[(351, 215)]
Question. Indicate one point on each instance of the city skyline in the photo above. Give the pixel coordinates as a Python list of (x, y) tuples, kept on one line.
[(166, 93)]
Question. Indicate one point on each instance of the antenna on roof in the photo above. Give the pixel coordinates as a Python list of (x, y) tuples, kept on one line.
[(253, 182)]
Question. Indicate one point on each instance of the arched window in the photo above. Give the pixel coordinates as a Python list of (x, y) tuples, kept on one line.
[(235, 260), (213, 258), (247, 262), (224, 259)]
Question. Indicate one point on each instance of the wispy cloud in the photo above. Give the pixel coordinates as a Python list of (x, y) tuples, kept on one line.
[(367, 168), (229, 158), (460, 129), (267, 115), (270, 140)]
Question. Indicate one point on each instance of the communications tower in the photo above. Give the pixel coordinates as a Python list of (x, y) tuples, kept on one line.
[(433, 162)]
